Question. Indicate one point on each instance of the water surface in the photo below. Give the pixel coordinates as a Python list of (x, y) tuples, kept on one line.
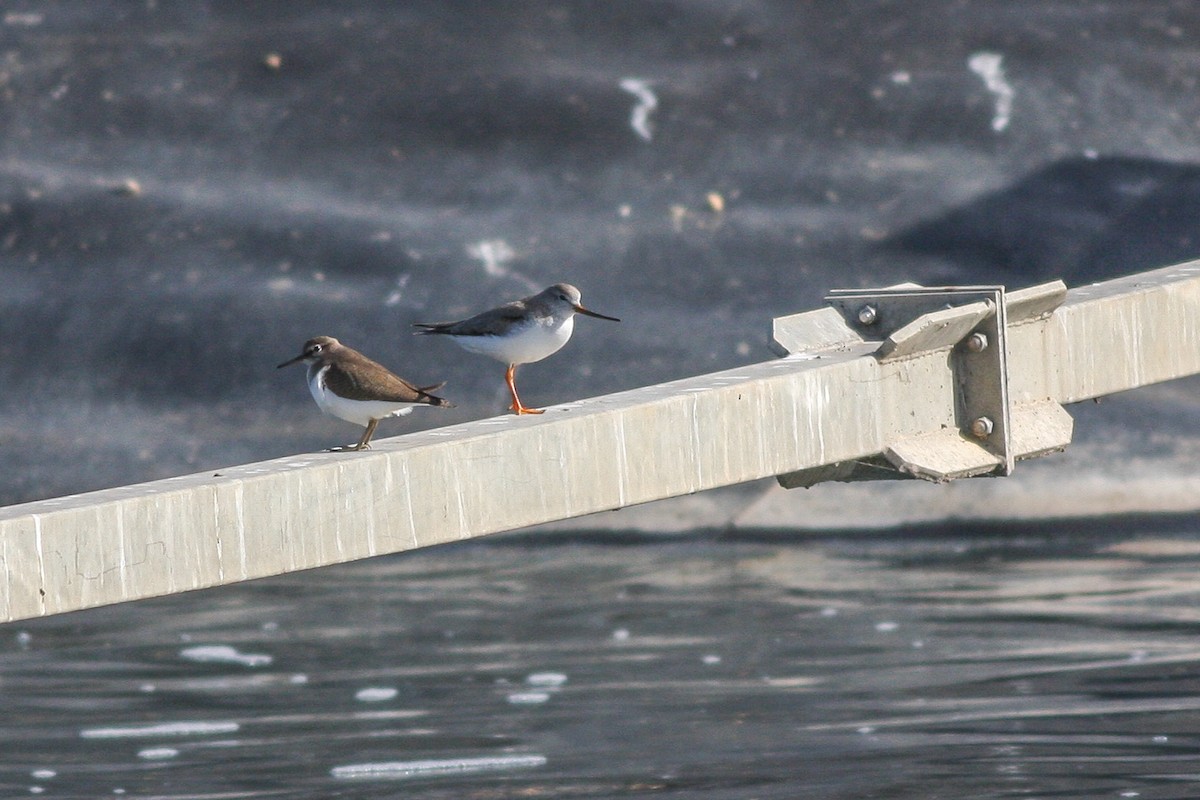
[(986, 663)]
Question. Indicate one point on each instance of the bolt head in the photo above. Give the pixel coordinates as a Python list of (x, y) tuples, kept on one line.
[(867, 315), (981, 427), (977, 342)]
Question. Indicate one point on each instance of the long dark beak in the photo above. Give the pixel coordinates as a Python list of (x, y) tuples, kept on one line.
[(291, 361), (582, 310)]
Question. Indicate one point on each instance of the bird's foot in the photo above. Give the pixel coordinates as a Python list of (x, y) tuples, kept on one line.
[(524, 410), (348, 448)]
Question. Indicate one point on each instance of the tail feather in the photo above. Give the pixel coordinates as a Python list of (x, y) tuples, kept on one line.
[(428, 328), (433, 400)]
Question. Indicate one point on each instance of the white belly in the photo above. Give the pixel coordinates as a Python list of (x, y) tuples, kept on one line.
[(358, 411), (523, 345)]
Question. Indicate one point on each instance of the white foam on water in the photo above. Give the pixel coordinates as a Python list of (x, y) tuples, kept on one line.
[(227, 683), (224, 654), (164, 729), (546, 679), (528, 698), (395, 770), (375, 694), (157, 753), (43, 774)]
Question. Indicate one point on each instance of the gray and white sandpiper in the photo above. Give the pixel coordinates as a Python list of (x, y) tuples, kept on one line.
[(519, 332), (348, 385)]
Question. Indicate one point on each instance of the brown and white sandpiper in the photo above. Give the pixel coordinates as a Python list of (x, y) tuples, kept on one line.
[(519, 332), (348, 385)]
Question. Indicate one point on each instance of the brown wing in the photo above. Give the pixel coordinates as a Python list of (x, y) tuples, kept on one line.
[(360, 378)]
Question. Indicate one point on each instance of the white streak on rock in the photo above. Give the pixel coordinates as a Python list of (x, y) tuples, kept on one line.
[(647, 102), (990, 67)]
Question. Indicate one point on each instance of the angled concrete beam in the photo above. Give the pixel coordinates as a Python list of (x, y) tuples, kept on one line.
[(834, 404)]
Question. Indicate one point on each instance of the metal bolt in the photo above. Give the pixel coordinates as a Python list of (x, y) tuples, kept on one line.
[(981, 427), (977, 342), (867, 315)]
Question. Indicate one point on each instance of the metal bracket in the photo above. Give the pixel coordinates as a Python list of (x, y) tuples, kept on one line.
[(971, 324)]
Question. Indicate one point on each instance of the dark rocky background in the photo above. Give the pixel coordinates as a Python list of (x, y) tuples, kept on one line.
[(188, 191)]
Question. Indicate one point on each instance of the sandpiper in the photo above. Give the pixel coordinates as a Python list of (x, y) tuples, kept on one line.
[(519, 332), (350, 386)]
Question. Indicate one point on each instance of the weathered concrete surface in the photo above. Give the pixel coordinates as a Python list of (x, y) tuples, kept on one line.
[(711, 431), (430, 487)]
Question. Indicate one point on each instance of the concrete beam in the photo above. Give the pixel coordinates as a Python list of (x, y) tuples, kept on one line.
[(833, 405)]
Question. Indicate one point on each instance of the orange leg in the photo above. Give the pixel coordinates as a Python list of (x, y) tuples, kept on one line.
[(517, 408)]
